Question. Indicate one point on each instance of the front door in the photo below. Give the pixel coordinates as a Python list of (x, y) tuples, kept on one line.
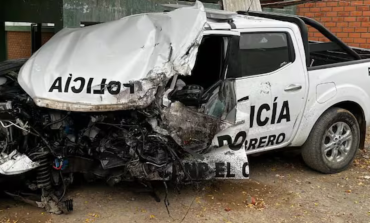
[(272, 77)]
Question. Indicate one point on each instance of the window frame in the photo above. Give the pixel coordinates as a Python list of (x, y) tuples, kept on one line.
[(291, 49)]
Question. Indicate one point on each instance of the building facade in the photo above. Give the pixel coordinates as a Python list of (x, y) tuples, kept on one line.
[(349, 20)]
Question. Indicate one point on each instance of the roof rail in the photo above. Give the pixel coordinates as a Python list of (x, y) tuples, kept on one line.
[(324, 31), (211, 13)]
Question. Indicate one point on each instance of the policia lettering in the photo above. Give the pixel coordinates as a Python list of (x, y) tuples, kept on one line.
[(264, 141), (284, 114), (113, 87)]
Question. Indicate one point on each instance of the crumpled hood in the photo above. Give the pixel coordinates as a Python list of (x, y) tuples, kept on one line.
[(115, 65)]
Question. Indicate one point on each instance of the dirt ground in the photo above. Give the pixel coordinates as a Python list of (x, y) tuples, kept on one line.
[(281, 188)]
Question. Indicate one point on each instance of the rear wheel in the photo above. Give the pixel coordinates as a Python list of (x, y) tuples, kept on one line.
[(333, 142)]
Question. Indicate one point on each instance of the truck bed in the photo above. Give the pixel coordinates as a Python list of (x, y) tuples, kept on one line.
[(332, 56)]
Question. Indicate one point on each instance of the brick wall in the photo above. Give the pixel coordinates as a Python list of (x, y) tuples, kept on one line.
[(349, 20), (19, 43)]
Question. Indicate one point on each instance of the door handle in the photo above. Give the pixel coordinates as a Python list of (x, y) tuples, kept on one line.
[(240, 122), (293, 87)]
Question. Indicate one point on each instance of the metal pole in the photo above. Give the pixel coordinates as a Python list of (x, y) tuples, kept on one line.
[(3, 50), (36, 41)]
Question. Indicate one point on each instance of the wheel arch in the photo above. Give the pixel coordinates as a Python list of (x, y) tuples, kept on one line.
[(313, 115), (359, 113)]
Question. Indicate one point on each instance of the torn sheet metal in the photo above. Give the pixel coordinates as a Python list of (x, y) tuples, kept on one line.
[(190, 129), (220, 163), (16, 163), (115, 65)]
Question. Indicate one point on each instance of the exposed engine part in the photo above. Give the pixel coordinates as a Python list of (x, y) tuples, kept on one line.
[(53, 205), (16, 163), (50, 205), (6, 105), (68, 204), (3, 80), (19, 124), (56, 120)]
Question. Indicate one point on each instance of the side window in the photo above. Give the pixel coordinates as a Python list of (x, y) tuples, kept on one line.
[(262, 53)]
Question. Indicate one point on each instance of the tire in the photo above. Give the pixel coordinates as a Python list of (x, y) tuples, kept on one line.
[(328, 149)]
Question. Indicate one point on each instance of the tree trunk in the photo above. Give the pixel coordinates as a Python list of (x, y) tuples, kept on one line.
[(242, 5)]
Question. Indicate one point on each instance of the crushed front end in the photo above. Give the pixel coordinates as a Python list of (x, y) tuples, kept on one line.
[(127, 109)]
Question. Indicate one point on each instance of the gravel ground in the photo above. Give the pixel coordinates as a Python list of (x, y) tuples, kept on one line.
[(281, 189)]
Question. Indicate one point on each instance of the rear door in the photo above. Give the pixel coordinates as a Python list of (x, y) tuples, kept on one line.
[(271, 80)]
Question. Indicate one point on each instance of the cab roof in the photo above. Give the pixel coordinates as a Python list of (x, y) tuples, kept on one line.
[(245, 22), (225, 20)]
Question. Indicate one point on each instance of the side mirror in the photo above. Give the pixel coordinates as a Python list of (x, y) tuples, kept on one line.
[(190, 95)]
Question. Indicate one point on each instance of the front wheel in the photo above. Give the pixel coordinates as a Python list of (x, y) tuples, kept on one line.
[(333, 142)]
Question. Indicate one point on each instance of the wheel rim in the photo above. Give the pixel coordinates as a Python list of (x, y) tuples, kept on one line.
[(337, 142)]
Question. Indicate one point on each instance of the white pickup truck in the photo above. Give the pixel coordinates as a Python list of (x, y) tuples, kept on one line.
[(183, 95)]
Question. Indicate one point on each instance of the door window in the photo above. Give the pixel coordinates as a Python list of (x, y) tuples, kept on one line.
[(262, 53)]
